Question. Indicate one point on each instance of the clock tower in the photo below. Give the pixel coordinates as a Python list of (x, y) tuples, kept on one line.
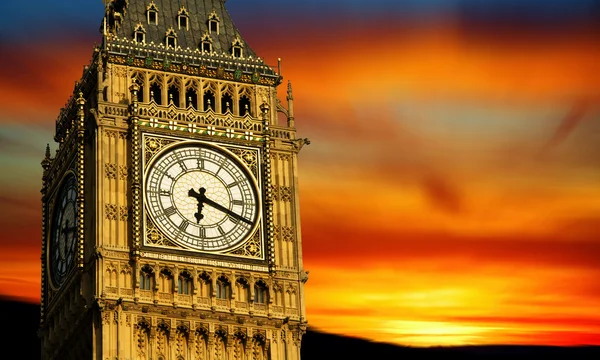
[(171, 223)]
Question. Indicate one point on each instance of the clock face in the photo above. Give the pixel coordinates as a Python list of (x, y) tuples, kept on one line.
[(63, 232), (201, 197)]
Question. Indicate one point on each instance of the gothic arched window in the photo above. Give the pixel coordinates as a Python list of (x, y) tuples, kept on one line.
[(223, 288), (258, 345), (171, 38), (242, 289), (213, 23), (166, 281), (173, 91), (226, 102), (156, 93), (260, 292), (191, 98), (184, 283), (204, 285), (209, 100), (152, 13), (139, 33), (206, 44), (183, 19), (237, 48), (146, 282), (244, 105)]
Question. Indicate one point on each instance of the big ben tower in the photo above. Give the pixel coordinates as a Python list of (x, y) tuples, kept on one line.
[(171, 223)]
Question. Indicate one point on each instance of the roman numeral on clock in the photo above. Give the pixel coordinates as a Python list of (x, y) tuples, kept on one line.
[(182, 165), (233, 220), (180, 161), (170, 211), (183, 226), (233, 184)]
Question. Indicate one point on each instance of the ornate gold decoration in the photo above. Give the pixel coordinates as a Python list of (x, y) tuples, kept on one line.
[(286, 193), (251, 248), (119, 71), (81, 179), (283, 157), (275, 192), (287, 233), (155, 237), (202, 70), (123, 213), (153, 145), (111, 134), (110, 170), (123, 172), (248, 157), (136, 164), (110, 211), (268, 206)]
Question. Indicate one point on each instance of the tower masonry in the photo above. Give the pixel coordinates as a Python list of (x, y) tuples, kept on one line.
[(171, 222)]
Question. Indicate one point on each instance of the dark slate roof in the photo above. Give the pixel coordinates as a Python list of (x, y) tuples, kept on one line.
[(134, 12)]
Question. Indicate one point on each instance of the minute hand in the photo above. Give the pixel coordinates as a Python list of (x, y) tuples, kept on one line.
[(226, 211)]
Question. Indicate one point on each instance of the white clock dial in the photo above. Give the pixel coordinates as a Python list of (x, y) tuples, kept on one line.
[(201, 197)]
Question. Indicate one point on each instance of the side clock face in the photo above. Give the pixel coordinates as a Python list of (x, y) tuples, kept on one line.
[(201, 197), (63, 232)]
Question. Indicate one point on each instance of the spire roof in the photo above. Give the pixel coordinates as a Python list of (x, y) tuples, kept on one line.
[(125, 17)]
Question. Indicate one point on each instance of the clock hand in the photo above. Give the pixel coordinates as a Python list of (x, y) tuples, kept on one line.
[(201, 199), (227, 211), (68, 228)]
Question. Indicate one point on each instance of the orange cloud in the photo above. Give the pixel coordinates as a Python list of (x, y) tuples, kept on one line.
[(439, 61), (20, 269), (41, 79), (410, 303), (567, 125), (438, 233)]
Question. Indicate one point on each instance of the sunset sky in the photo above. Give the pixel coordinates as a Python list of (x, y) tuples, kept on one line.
[(455, 148)]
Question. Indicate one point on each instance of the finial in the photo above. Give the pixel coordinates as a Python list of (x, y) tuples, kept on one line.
[(80, 99), (279, 66), (264, 107), (80, 112), (134, 88), (47, 160), (289, 90), (290, 99)]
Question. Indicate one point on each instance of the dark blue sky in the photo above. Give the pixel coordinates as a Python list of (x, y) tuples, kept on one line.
[(35, 18)]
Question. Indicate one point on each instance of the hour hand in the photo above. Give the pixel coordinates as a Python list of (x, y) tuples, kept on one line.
[(201, 200), (198, 215)]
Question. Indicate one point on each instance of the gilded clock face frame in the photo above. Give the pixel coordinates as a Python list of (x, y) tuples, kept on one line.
[(63, 232), (201, 196)]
